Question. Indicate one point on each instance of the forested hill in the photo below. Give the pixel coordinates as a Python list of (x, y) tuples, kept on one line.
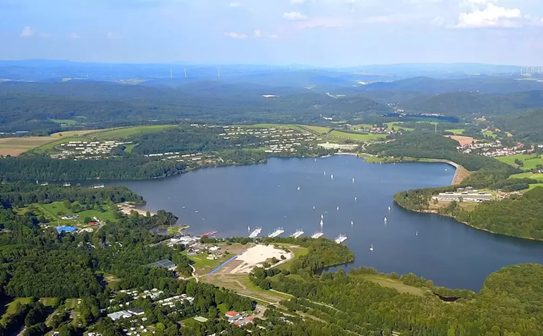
[(27, 106), (497, 85), (475, 103), (527, 125), (434, 146)]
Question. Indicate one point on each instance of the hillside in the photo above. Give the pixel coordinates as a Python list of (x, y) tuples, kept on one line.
[(527, 125), (475, 103)]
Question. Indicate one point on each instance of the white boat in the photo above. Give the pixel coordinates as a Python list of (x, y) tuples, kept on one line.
[(317, 235), (337, 208), (313, 207), (371, 247), (297, 234), (255, 233), (322, 223), (332, 176), (355, 198), (416, 233), (298, 188), (352, 223), (340, 239), (389, 208), (322, 217), (385, 220), (325, 173), (276, 233), (353, 179)]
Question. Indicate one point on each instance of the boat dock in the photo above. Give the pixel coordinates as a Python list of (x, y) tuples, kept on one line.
[(276, 233)]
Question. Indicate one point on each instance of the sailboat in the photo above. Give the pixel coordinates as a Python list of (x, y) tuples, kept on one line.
[(416, 233), (325, 173), (355, 198), (322, 223), (248, 229), (352, 223), (389, 208), (337, 208), (298, 188), (385, 220), (332, 176), (353, 180), (371, 247), (313, 207), (322, 216)]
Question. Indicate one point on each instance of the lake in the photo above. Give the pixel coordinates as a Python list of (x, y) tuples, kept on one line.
[(231, 199)]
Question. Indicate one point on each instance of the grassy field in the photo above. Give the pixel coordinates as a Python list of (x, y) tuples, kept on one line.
[(129, 148), (289, 126), (395, 284), (318, 129), (78, 133), (358, 137), (490, 134), (240, 283), (50, 211), (298, 252), (359, 126), (124, 133), (49, 146), (64, 121), (397, 125), (18, 145), (538, 177), (458, 131), (531, 161)]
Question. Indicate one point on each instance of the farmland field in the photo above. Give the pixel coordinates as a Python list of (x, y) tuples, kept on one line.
[(74, 133), (318, 129), (358, 137), (530, 161), (398, 126), (16, 146), (123, 133), (458, 131), (538, 177), (462, 140)]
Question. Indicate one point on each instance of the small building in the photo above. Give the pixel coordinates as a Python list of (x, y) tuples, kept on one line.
[(136, 311), (165, 263)]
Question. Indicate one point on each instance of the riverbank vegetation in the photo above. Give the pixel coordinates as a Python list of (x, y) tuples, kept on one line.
[(507, 304)]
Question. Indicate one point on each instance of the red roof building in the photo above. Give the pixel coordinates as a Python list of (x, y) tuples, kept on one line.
[(232, 313)]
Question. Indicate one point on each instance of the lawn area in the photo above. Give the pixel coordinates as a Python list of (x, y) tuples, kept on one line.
[(318, 129), (204, 266), (50, 211), (11, 306), (458, 131), (129, 148), (240, 283), (298, 252), (17, 145), (51, 145), (358, 137), (391, 283), (531, 161), (127, 132)]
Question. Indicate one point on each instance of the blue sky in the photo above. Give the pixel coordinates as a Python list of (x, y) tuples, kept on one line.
[(317, 32)]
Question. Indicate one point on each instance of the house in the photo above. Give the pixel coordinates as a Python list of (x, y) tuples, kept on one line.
[(231, 314), (136, 311)]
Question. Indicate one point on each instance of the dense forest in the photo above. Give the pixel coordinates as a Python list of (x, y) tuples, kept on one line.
[(475, 104), (525, 126), (20, 194), (43, 168), (508, 304), (31, 106)]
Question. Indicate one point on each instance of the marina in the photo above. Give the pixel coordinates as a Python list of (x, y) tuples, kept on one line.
[(276, 233), (340, 239), (297, 234), (230, 198), (317, 235), (255, 233)]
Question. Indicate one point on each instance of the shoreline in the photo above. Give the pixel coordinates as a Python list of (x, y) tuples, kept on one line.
[(434, 212)]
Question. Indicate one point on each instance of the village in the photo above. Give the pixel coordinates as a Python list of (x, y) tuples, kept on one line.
[(85, 150), (496, 148)]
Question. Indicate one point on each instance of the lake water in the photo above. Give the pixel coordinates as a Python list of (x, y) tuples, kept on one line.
[(230, 199)]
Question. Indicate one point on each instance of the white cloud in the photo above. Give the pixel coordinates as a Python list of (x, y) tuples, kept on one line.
[(295, 16), (321, 23), (236, 36), (258, 33), (28, 32), (438, 21), (235, 4), (297, 2), (490, 16), (73, 36), (112, 35)]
